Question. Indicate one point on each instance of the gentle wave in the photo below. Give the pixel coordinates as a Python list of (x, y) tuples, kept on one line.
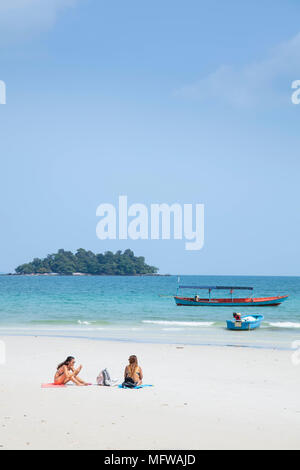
[(68, 322), (178, 323), (285, 325), (172, 329)]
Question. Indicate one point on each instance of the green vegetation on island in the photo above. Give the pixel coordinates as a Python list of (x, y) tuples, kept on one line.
[(86, 262)]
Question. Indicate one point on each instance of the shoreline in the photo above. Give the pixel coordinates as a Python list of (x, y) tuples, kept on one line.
[(136, 341), (84, 275), (253, 276)]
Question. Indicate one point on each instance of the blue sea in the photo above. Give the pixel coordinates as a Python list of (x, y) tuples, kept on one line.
[(142, 309)]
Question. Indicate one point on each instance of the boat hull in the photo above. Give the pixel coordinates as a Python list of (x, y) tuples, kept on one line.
[(245, 325), (251, 302)]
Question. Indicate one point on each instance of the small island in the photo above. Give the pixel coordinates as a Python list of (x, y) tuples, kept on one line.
[(88, 263)]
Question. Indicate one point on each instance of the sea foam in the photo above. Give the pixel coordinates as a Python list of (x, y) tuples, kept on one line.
[(285, 325), (178, 323)]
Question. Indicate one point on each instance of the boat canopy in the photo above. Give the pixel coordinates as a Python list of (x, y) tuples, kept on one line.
[(216, 288)]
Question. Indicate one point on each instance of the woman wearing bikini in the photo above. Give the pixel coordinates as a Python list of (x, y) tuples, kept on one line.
[(133, 371), (66, 372)]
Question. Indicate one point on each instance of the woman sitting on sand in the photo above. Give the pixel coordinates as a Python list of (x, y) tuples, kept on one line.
[(133, 372), (66, 372)]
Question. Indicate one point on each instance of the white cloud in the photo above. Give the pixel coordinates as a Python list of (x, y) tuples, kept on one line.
[(266, 82), (21, 18)]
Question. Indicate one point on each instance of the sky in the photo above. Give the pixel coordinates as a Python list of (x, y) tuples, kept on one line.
[(162, 101)]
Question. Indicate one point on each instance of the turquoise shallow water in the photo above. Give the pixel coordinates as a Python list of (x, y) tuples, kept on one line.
[(130, 308)]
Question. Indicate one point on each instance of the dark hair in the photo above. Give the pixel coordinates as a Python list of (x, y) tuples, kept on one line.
[(66, 362)]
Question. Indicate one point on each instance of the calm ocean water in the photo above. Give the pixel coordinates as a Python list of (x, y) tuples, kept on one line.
[(130, 308)]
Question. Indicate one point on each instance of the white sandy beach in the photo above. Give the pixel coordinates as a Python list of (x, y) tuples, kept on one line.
[(203, 398)]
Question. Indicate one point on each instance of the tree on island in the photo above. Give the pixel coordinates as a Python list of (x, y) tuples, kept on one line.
[(87, 262)]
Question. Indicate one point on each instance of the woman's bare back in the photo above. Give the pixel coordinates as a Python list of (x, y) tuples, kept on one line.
[(136, 376)]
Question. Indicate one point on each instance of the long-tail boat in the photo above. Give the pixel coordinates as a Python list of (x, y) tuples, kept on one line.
[(197, 301)]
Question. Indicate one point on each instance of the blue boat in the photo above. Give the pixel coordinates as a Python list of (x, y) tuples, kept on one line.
[(246, 323)]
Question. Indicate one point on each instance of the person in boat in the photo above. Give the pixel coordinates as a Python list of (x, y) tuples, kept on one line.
[(196, 298), (133, 372), (66, 373), (237, 316)]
